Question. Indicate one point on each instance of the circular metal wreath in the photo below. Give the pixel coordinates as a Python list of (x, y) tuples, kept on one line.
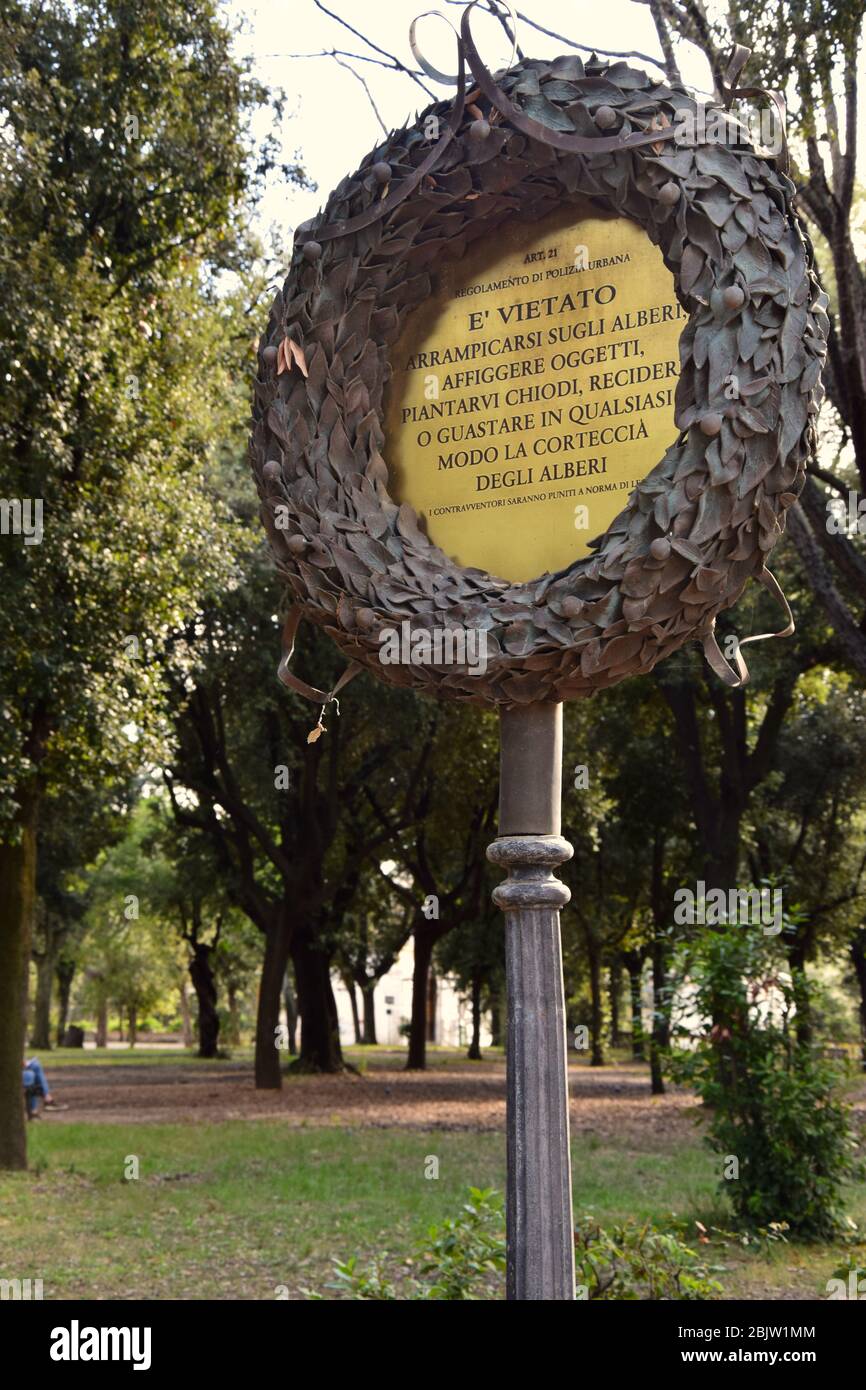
[(702, 522)]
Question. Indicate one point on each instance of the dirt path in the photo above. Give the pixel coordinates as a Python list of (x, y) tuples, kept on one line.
[(452, 1097), (607, 1102)]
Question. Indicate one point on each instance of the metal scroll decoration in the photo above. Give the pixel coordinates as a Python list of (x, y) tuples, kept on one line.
[(692, 533)]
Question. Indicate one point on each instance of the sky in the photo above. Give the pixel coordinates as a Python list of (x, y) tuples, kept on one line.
[(330, 121)]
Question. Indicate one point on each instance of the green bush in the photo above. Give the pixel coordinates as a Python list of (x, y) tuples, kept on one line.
[(631, 1261), (464, 1258), (770, 1102)]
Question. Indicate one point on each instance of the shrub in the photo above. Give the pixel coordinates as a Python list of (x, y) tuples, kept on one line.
[(632, 1261), (771, 1103), (464, 1258)]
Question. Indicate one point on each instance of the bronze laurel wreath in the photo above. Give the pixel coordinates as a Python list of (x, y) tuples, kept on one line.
[(692, 533)]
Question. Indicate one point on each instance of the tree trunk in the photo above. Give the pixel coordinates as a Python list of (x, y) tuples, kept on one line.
[(635, 972), (133, 1026), (204, 984), (722, 868), (40, 1035), (495, 1022), (660, 1036), (320, 1032), (474, 1053), (597, 1007), (368, 994), (423, 944), (65, 974), (234, 1023), (613, 982), (800, 988), (432, 1000), (17, 899), (349, 985), (718, 817), (267, 1063), (858, 957), (291, 1007), (185, 1017)]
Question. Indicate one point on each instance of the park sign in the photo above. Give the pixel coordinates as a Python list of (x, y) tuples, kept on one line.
[(533, 391), (343, 476), (544, 371)]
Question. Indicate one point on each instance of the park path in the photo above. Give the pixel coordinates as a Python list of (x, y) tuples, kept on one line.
[(613, 1101), (457, 1096)]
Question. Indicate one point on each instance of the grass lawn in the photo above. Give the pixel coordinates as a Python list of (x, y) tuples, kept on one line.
[(119, 1055), (236, 1209)]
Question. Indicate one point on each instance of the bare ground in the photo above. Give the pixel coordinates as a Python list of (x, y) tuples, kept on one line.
[(608, 1102)]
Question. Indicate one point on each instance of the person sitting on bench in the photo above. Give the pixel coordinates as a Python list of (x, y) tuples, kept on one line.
[(36, 1090)]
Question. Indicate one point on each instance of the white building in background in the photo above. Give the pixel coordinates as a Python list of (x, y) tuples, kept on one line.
[(449, 1014)]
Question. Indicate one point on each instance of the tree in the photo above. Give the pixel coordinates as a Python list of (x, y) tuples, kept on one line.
[(376, 931), (183, 887), (857, 949), (124, 162), (474, 955), (274, 805), (74, 826), (809, 50), (809, 832), (626, 811), (439, 868), (129, 957), (605, 874)]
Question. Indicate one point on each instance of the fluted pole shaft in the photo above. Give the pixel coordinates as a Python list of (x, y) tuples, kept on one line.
[(530, 847)]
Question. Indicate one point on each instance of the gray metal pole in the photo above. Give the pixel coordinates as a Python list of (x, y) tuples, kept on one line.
[(530, 847)]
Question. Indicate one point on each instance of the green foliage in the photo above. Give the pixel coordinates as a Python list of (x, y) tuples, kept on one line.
[(128, 128), (125, 171), (127, 956), (771, 1103), (632, 1261), (458, 1259), (474, 955), (464, 1258), (465, 1252)]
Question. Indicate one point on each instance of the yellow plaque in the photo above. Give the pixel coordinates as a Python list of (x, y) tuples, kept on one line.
[(534, 390)]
